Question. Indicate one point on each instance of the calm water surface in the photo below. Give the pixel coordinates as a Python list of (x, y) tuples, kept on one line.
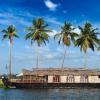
[(50, 94)]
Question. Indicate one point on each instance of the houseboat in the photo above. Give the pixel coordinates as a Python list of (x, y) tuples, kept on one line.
[(56, 78)]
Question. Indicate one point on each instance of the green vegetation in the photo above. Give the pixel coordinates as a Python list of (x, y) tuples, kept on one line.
[(4, 87), (1, 84)]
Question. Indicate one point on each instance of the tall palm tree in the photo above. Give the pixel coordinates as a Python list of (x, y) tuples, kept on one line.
[(10, 33), (66, 36), (38, 33), (87, 39)]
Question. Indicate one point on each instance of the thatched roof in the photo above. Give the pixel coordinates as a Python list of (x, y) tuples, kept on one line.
[(60, 71)]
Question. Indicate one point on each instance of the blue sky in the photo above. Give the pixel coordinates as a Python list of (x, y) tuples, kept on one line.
[(20, 13)]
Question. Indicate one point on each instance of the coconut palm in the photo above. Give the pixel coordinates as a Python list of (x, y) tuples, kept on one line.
[(9, 33), (38, 33), (87, 39), (66, 36)]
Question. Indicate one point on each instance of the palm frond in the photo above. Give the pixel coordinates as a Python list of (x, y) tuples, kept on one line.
[(88, 38), (15, 35), (57, 35), (38, 31), (4, 36), (44, 26), (80, 28), (28, 36), (29, 29), (10, 32), (4, 31)]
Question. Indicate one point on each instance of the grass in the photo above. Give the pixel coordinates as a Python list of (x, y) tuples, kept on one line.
[(2, 85), (1, 82)]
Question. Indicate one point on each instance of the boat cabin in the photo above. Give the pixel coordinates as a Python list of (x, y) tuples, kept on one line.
[(58, 75)]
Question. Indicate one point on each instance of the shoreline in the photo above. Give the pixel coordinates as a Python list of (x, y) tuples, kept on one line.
[(1, 84)]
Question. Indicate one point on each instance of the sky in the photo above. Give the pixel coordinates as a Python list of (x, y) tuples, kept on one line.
[(21, 13)]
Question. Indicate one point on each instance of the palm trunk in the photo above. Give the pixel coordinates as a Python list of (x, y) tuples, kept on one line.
[(7, 70), (10, 60), (63, 57), (85, 61), (37, 58)]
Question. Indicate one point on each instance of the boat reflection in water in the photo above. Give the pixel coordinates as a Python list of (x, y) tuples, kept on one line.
[(50, 94)]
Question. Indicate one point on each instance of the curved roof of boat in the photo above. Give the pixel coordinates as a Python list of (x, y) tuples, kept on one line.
[(61, 71)]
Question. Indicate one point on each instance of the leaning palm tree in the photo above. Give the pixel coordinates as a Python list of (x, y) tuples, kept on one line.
[(9, 33), (38, 33), (87, 39), (66, 36)]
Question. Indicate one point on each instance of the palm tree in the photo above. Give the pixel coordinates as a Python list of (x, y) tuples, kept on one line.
[(38, 33), (66, 36), (9, 33), (87, 39)]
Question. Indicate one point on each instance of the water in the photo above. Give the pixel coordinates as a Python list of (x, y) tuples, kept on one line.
[(50, 94)]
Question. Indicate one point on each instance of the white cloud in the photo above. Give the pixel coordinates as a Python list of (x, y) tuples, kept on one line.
[(54, 32), (4, 22), (9, 17), (52, 6), (49, 56), (76, 30), (53, 20), (24, 23), (27, 47)]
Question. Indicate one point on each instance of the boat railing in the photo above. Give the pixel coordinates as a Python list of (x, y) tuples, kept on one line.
[(30, 81)]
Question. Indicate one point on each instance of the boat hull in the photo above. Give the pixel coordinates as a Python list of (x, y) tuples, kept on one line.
[(49, 85), (55, 85)]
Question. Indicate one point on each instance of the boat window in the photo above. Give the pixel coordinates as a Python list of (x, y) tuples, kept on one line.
[(56, 78), (99, 76), (70, 79), (84, 79)]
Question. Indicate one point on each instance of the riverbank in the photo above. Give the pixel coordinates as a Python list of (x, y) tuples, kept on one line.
[(1, 84)]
